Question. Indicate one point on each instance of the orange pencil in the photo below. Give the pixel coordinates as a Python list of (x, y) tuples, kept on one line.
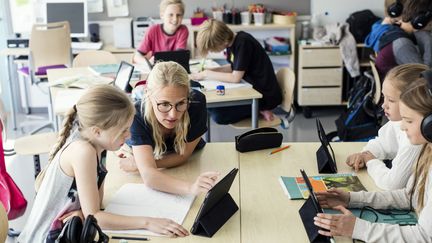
[(279, 149)]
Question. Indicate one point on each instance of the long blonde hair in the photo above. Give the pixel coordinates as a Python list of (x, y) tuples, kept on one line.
[(103, 106), (162, 75), (164, 4), (417, 98), (212, 35), (403, 75)]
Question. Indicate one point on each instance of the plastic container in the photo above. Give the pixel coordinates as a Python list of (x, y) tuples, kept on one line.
[(218, 15), (220, 90), (259, 18), (245, 18)]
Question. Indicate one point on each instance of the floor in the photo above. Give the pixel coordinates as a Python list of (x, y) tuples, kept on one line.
[(21, 167)]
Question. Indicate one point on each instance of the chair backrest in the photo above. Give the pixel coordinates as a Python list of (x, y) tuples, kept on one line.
[(377, 95), (286, 80), (93, 57), (4, 224), (50, 44)]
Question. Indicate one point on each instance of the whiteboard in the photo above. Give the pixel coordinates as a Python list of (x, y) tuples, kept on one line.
[(331, 11)]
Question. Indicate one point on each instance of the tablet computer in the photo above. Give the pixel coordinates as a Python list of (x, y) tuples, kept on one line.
[(179, 56), (123, 77), (311, 192), (213, 197), (325, 154)]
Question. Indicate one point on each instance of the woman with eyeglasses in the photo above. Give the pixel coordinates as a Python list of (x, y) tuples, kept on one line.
[(167, 129)]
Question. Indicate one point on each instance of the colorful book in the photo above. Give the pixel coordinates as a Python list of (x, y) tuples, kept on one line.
[(295, 187), (104, 69)]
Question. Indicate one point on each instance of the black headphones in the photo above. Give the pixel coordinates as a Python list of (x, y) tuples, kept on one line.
[(76, 232), (395, 9), (426, 124), (421, 20)]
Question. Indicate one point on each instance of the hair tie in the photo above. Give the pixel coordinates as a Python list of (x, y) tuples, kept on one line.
[(75, 109)]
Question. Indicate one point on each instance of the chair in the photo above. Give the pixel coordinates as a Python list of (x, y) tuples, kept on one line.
[(50, 47), (4, 224), (376, 77), (93, 57), (286, 80)]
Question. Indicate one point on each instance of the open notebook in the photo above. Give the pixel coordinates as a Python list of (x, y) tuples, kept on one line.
[(210, 85), (139, 200)]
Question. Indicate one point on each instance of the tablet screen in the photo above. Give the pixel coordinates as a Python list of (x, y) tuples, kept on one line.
[(215, 195), (326, 144), (311, 192), (123, 76)]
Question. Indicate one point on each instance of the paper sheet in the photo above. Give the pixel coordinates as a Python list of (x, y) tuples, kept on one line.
[(211, 84), (140, 200)]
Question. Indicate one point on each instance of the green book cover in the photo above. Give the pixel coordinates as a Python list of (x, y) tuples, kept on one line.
[(295, 187), (104, 69)]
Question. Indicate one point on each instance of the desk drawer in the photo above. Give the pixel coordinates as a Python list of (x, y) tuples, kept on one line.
[(320, 96), (321, 77), (328, 57)]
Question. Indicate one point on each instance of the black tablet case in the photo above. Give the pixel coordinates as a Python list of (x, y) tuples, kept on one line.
[(325, 161), (179, 56), (222, 209)]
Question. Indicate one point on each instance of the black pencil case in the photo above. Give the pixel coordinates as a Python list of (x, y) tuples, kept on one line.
[(261, 138)]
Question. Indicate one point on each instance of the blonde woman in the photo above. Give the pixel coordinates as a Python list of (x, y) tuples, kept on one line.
[(247, 60), (73, 181), (167, 128), (415, 106), (168, 36)]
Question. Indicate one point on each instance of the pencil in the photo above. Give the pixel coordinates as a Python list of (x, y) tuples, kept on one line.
[(279, 149), (129, 238)]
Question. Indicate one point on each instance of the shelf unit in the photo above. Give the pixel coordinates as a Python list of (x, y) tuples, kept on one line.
[(260, 32)]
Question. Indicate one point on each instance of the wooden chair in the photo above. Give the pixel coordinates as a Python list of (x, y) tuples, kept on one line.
[(93, 57), (376, 77), (4, 224), (286, 80), (50, 47)]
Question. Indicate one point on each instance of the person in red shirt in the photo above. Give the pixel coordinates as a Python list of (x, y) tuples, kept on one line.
[(168, 36)]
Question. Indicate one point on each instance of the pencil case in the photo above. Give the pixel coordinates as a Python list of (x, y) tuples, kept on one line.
[(257, 139)]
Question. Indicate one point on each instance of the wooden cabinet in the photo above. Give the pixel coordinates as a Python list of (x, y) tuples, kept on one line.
[(319, 76), (260, 33)]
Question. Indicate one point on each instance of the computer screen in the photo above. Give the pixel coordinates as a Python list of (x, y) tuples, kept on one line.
[(74, 11), (123, 77)]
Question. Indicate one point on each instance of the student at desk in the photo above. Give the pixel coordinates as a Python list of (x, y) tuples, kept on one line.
[(415, 109), (247, 60), (168, 36), (167, 129), (73, 182), (391, 142)]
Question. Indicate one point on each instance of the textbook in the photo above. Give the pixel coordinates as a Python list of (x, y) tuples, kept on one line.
[(295, 187), (104, 69), (136, 199), (80, 81)]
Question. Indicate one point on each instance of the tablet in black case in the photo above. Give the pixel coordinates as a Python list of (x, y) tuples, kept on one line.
[(217, 208)]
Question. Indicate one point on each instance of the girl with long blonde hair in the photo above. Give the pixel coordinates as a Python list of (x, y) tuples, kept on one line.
[(167, 128), (416, 113), (73, 180)]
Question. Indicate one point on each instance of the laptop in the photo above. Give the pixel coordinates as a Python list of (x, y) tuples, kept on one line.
[(179, 56), (123, 77)]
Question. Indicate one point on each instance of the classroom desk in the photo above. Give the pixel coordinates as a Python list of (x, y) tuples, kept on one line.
[(232, 97), (208, 159), (267, 214)]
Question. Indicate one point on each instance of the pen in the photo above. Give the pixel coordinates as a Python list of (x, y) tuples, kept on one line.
[(279, 149), (129, 238)]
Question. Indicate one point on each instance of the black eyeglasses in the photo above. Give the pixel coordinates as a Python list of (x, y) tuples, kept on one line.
[(165, 107)]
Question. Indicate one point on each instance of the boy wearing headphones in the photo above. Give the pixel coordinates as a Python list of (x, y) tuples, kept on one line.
[(406, 41), (393, 12)]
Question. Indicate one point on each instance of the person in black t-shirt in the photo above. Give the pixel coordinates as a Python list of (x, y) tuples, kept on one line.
[(167, 128), (247, 60)]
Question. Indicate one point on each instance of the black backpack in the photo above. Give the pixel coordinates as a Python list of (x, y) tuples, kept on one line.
[(360, 24)]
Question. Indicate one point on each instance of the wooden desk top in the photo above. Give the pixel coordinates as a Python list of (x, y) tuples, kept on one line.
[(208, 159), (267, 214), (231, 95)]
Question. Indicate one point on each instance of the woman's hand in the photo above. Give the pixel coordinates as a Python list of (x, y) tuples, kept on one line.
[(204, 183), (368, 156), (70, 215), (336, 224), (128, 164), (356, 161), (166, 227), (333, 197)]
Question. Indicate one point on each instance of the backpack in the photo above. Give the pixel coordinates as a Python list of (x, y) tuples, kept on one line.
[(362, 119), (360, 24)]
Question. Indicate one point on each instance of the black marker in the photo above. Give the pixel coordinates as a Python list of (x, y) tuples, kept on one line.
[(129, 238)]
